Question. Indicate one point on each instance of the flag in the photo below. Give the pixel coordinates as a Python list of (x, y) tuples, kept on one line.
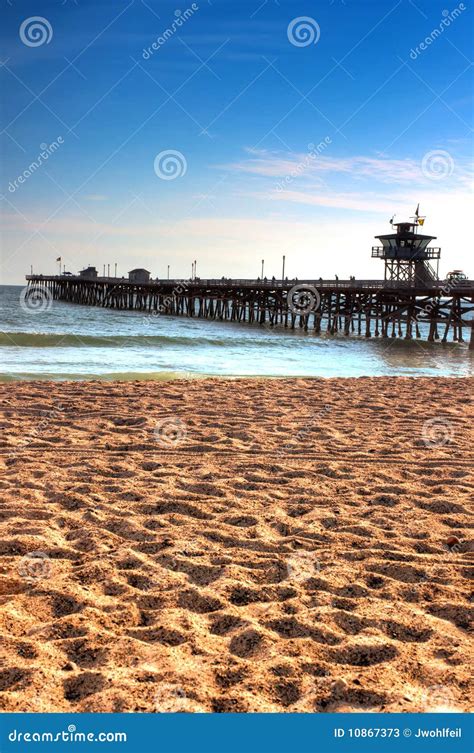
[(421, 221), (417, 211), (58, 259)]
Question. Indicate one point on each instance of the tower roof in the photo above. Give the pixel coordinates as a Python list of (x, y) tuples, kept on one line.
[(389, 236), (405, 230)]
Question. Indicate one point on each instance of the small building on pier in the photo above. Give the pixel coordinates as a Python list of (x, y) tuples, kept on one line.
[(89, 272), (139, 275)]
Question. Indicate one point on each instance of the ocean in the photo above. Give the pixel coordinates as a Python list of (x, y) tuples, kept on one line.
[(76, 342)]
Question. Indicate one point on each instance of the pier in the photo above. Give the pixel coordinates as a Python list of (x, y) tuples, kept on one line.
[(410, 302), (376, 308)]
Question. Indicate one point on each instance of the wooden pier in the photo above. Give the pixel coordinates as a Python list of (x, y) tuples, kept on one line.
[(442, 310), (410, 302)]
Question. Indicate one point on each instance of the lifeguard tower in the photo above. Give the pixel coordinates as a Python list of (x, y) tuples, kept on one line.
[(407, 254)]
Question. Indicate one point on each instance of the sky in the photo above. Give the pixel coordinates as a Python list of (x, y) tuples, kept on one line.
[(148, 134)]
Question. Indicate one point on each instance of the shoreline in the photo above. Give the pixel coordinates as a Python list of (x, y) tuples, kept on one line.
[(131, 377), (224, 545)]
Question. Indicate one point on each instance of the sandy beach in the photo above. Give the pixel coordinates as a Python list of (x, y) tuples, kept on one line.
[(236, 545)]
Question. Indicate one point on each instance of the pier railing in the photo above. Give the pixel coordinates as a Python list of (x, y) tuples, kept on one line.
[(467, 286), (383, 252)]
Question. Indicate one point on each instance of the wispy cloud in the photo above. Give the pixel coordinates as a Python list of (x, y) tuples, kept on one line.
[(276, 164), (332, 200), (370, 184)]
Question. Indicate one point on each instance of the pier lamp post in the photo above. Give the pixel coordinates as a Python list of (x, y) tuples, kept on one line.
[(108, 270), (195, 265), (283, 269), (263, 262), (168, 271), (115, 275)]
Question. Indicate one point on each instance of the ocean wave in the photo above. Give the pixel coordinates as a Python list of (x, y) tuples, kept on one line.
[(63, 340)]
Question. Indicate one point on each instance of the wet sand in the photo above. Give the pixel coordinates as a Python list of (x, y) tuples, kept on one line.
[(248, 545)]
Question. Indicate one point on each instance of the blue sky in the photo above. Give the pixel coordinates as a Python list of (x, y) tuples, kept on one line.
[(294, 128)]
